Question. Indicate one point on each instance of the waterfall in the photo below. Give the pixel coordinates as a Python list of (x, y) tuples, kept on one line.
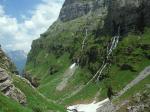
[(94, 106), (83, 43), (114, 43)]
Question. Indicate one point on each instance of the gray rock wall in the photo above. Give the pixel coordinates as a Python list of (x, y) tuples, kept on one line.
[(8, 89), (129, 15), (73, 9)]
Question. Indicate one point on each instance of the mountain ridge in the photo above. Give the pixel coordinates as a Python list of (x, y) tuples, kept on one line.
[(95, 27)]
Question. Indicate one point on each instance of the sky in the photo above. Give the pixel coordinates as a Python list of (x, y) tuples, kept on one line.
[(22, 21)]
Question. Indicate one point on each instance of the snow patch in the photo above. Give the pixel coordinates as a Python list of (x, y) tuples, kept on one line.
[(87, 107)]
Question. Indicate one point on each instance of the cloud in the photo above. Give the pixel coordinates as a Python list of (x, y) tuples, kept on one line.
[(16, 36)]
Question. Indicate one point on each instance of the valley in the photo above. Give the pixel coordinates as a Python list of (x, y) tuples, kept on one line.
[(94, 58)]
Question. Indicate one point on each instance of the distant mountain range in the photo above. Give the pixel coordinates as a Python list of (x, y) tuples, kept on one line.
[(19, 58)]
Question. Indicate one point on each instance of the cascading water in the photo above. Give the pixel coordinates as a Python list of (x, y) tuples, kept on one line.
[(114, 44), (83, 43), (94, 106)]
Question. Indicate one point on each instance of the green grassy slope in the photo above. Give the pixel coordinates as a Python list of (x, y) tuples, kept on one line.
[(9, 105), (118, 77), (36, 102), (142, 89), (58, 51), (60, 46), (130, 51)]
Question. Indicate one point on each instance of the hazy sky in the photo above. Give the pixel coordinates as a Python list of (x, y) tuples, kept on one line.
[(22, 21)]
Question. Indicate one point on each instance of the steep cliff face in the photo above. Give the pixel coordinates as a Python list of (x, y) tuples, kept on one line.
[(129, 15), (73, 9), (85, 24)]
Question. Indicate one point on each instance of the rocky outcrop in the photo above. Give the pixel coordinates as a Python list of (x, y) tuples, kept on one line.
[(8, 89), (34, 81), (73, 9), (140, 102), (5, 62)]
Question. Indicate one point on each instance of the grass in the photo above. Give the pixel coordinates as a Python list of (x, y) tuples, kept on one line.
[(9, 105), (137, 88), (35, 101), (128, 52)]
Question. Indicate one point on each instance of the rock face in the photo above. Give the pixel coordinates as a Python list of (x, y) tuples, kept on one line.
[(5, 62), (73, 9), (63, 40), (6, 83), (140, 102), (7, 87), (128, 14)]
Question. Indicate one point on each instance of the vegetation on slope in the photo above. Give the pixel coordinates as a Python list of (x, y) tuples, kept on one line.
[(131, 56), (9, 105), (60, 46), (35, 101)]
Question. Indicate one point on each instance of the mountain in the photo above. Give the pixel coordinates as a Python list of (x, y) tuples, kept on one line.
[(95, 47), (95, 57), (6, 85), (17, 94), (19, 58)]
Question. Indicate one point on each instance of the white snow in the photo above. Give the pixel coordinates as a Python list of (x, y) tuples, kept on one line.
[(87, 107), (72, 66)]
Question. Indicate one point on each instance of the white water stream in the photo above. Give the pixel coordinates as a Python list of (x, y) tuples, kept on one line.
[(94, 106), (83, 43), (110, 49)]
